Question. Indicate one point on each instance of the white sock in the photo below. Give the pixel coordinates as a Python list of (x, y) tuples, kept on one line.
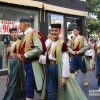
[(86, 77), (29, 98)]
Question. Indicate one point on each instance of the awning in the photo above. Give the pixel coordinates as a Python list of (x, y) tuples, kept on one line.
[(24, 3), (32, 3), (64, 10)]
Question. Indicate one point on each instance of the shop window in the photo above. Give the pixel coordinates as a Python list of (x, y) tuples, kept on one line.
[(55, 18), (9, 18), (71, 23)]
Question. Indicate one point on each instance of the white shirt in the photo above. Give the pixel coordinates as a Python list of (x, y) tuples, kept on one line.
[(47, 42), (28, 30), (91, 45), (13, 45), (76, 38), (65, 61), (52, 47)]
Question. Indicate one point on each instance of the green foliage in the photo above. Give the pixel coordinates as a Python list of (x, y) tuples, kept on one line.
[(70, 27), (93, 6), (93, 24)]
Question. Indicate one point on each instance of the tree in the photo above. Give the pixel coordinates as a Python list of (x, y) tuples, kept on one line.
[(93, 7), (93, 21), (70, 27), (93, 25)]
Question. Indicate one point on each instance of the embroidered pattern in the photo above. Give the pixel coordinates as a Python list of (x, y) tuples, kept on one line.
[(18, 46), (97, 46), (28, 39), (79, 42)]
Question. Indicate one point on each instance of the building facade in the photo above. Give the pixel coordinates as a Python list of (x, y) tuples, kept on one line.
[(41, 14)]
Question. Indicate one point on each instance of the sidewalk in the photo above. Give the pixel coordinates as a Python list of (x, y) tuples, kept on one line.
[(3, 88), (79, 79)]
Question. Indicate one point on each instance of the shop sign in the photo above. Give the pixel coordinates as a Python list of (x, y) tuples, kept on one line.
[(6, 25)]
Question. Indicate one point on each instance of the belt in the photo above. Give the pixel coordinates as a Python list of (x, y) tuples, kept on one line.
[(53, 62), (90, 57), (12, 57), (79, 54), (29, 60)]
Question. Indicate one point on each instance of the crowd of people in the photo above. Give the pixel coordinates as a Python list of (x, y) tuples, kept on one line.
[(49, 66)]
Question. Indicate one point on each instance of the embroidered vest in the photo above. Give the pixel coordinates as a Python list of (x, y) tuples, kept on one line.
[(97, 45), (77, 45), (27, 42), (55, 51)]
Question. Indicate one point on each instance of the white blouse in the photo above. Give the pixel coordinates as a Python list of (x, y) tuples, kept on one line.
[(12, 46)]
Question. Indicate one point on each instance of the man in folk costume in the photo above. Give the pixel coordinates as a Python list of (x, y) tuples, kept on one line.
[(58, 83), (97, 49), (77, 49), (16, 76), (32, 46)]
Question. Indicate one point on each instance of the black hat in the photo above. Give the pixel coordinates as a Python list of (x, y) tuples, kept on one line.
[(77, 28), (99, 32), (55, 25), (12, 29), (24, 20)]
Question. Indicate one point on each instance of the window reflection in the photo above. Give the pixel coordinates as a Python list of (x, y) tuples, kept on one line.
[(9, 18), (55, 18)]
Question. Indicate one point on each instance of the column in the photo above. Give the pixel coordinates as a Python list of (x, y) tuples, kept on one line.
[(82, 24), (65, 27), (36, 21)]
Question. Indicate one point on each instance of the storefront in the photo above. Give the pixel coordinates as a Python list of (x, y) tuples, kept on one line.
[(41, 14), (60, 11), (10, 14)]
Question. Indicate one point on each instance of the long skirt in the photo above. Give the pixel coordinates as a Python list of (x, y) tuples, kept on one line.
[(14, 91)]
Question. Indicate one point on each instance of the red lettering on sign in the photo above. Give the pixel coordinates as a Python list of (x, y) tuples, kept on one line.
[(6, 25), (4, 28), (7, 22), (2, 21)]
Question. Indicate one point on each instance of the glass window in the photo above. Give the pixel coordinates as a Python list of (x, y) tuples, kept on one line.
[(55, 18), (9, 18), (71, 23)]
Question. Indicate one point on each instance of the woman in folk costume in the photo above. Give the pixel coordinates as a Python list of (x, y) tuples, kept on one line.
[(16, 77), (97, 49), (58, 83), (90, 53)]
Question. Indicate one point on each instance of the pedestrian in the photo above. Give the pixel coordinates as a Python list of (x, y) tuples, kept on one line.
[(58, 83), (77, 49), (97, 49), (32, 46), (16, 76), (76, 72), (91, 53)]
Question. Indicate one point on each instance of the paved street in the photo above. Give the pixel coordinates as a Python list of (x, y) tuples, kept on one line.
[(80, 80)]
